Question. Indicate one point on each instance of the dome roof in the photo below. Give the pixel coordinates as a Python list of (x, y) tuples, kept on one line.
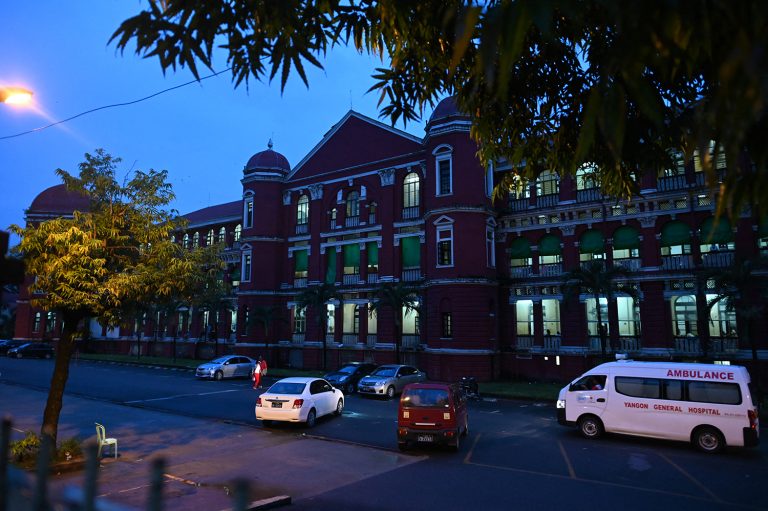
[(268, 160), (58, 200), (446, 109)]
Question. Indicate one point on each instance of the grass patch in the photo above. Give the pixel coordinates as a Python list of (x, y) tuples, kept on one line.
[(521, 390)]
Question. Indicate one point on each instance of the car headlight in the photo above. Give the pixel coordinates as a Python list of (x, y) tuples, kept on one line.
[(561, 403)]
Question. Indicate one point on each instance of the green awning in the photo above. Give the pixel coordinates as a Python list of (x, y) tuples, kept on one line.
[(675, 233), (235, 276), (592, 242), (626, 237), (549, 245), (411, 251), (330, 272), (301, 260), (372, 249), (352, 255), (520, 248), (762, 232), (712, 231)]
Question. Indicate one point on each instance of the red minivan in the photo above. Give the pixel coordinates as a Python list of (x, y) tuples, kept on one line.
[(432, 413)]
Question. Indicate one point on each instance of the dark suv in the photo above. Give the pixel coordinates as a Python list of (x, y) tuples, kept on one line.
[(7, 345), (347, 376)]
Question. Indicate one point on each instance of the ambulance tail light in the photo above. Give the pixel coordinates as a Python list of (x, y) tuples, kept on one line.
[(752, 415)]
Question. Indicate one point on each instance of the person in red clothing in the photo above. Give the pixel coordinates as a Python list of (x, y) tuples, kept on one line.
[(256, 375), (263, 364)]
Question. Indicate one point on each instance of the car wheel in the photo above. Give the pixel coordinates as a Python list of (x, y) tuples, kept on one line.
[(456, 445), (390, 392), (218, 375), (708, 440), (311, 416), (339, 407), (19, 355), (349, 388), (590, 426), (47, 355)]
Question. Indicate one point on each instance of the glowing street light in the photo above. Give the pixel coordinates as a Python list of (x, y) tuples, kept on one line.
[(15, 95)]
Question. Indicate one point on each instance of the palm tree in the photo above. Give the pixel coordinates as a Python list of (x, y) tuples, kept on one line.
[(599, 280), (316, 297), (744, 290), (402, 299), (265, 317)]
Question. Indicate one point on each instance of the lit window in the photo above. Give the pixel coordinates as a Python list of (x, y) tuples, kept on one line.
[(411, 190), (547, 184), (351, 312), (684, 316), (36, 323), (299, 320), (196, 240), (445, 246), (524, 317), (353, 204), (551, 312), (186, 240), (444, 176), (447, 325), (209, 238), (302, 210), (238, 232), (586, 177), (722, 321), (629, 316), (593, 321), (222, 235)]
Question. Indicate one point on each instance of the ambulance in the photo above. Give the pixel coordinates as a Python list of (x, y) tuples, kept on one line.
[(710, 406)]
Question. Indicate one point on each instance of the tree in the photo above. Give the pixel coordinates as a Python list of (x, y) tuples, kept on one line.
[(101, 262), (598, 280), (402, 300), (316, 298), (743, 287), (265, 317), (548, 84)]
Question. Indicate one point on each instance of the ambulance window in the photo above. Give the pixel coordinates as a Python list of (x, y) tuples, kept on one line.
[(673, 389), (714, 392), (638, 387), (590, 382)]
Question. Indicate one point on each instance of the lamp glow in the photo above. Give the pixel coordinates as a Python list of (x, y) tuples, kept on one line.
[(15, 95)]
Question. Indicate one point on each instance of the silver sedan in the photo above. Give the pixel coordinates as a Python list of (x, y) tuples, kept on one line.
[(228, 366)]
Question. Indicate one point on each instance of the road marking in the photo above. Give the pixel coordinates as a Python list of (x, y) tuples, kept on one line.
[(471, 449), (177, 396), (691, 478), (567, 460)]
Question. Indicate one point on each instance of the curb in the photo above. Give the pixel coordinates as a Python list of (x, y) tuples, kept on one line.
[(270, 503)]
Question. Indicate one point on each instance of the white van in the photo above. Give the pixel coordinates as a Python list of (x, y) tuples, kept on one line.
[(708, 405)]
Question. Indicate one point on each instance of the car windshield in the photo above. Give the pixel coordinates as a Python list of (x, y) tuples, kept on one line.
[(219, 360), (385, 371), (284, 387), (347, 369), (426, 397)]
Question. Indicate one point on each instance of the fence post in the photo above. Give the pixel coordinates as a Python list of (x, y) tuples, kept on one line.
[(240, 495), (91, 474), (156, 485), (43, 464), (5, 440)]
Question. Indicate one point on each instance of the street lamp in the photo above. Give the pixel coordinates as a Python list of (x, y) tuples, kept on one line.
[(15, 95)]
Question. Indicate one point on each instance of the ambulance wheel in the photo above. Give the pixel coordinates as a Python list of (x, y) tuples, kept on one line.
[(591, 427), (708, 439)]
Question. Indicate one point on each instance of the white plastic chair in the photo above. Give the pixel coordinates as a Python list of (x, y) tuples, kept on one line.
[(101, 436)]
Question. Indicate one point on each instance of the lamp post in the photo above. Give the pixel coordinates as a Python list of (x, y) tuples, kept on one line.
[(15, 95), (183, 309)]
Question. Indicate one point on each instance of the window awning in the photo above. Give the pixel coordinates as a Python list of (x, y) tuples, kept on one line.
[(549, 245), (301, 260), (592, 242), (715, 231), (330, 271), (352, 255), (626, 237), (520, 249), (411, 251), (372, 250), (675, 233)]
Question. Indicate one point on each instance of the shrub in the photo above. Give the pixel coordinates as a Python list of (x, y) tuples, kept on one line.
[(24, 452)]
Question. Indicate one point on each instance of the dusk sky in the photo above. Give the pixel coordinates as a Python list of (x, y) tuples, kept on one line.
[(203, 134)]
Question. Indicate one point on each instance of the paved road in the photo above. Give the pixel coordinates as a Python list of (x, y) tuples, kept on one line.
[(516, 456)]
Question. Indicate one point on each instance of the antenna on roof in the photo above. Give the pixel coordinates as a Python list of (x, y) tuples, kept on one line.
[(270, 144)]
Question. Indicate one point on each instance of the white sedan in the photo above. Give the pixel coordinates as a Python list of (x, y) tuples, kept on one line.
[(299, 400)]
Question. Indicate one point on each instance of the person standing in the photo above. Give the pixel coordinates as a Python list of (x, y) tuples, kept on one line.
[(263, 365), (256, 375)]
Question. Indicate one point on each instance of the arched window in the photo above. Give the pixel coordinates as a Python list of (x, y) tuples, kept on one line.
[(222, 235), (626, 243), (675, 238), (186, 240), (209, 238), (446, 319), (196, 240), (411, 190), (547, 183), (684, 319), (238, 232), (302, 210), (586, 177), (353, 204), (591, 245), (716, 235), (550, 251)]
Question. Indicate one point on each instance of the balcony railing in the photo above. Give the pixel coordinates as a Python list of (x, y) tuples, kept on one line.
[(595, 345), (724, 345), (629, 343), (520, 272), (410, 341), (371, 218), (349, 339), (350, 279), (330, 339), (632, 264), (588, 195), (689, 345), (676, 262), (302, 228), (524, 342), (551, 270), (352, 221), (720, 259), (544, 201), (298, 338), (373, 278), (410, 213), (552, 343), (411, 274), (588, 264), (300, 282), (666, 183), (370, 340), (519, 204)]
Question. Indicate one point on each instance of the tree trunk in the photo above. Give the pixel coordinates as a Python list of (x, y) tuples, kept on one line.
[(64, 350)]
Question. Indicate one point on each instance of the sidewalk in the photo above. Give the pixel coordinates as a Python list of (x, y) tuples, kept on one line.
[(203, 458)]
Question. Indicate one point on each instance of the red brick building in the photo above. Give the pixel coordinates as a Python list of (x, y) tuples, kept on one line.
[(372, 204)]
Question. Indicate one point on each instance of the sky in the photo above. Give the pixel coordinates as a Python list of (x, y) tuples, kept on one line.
[(202, 134)]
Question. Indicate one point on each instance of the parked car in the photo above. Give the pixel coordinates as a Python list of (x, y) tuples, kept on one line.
[(347, 376), (432, 413), (228, 366), (32, 350), (7, 345), (388, 380), (299, 399)]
